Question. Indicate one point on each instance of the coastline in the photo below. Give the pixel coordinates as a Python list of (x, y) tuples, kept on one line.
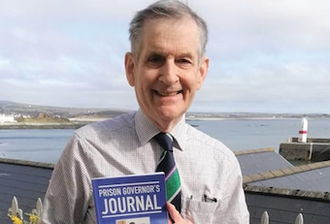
[(238, 118), (13, 126), (76, 123)]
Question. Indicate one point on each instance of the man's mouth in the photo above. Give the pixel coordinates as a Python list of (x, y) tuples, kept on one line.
[(165, 93)]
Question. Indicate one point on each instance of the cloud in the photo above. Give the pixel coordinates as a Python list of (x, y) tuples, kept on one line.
[(270, 56)]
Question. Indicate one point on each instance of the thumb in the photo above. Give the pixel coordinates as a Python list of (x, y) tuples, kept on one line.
[(173, 213)]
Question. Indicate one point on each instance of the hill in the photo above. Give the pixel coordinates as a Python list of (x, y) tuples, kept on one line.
[(88, 114), (12, 108)]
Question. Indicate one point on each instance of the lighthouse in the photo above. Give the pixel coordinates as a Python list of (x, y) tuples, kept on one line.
[(303, 131)]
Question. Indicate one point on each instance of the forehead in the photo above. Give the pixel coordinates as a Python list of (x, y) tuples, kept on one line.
[(170, 36)]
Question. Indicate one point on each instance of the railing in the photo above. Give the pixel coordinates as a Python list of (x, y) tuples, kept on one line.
[(265, 218), (16, 214)]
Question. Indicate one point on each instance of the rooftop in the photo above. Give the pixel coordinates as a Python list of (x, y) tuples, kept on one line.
[(27, 181), (274, 185), (270, 182)]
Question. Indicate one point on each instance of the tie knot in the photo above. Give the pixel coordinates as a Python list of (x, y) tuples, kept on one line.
[(164, 140)]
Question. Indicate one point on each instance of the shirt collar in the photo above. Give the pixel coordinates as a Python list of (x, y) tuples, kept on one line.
[(146, 130)]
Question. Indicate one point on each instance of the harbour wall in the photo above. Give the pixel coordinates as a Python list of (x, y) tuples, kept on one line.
[(315, 149)]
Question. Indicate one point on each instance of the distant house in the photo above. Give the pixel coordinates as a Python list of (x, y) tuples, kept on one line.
[(7, 119)]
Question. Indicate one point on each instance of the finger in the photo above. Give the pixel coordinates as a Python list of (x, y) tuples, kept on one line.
[(174, 214)]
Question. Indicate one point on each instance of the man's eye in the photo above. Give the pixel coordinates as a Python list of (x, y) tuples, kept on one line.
[(183, 61), (155, 60)]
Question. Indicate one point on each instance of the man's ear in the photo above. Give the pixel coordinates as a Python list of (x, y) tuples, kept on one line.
[(129, 68), (203, 69)]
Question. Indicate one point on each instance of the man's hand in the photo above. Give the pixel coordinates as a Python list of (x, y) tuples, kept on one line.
[(175, 215)]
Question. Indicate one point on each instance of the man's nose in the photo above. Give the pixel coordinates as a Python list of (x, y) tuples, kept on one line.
[(168, 73)]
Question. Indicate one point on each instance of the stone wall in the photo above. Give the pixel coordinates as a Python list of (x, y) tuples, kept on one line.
[(313, 150)]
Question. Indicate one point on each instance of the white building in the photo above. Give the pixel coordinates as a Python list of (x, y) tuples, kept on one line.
[(7, 118)]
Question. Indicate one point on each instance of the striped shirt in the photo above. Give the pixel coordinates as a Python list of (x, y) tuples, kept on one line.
[(210, 174)]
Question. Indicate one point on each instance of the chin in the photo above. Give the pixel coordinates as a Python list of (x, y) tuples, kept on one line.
[(170, 114)]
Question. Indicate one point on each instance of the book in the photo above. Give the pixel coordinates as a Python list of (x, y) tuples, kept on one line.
[(130, 199)]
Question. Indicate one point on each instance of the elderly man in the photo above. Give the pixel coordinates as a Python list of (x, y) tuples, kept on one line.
[(166, 67)]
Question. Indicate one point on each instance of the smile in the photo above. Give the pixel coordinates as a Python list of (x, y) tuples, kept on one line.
[(164, 93)]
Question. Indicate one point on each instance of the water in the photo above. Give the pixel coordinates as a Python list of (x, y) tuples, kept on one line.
[(47, 145), (33, 145), (259, 133)]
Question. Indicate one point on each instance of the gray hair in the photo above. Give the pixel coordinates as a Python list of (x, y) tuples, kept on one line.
[(165, 9)]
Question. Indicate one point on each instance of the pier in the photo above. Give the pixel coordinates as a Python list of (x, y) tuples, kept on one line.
[(314, 149)]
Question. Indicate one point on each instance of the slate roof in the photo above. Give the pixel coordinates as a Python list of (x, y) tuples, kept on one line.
[(310, 177), (260, 160), (27, 181), (270, 183), (283, 205)]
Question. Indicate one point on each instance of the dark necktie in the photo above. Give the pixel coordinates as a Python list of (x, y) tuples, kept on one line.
[(167, 165)]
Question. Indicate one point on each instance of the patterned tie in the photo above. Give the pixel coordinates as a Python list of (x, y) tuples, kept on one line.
[(167, 165)]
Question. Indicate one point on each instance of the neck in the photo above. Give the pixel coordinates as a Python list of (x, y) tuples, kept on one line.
[(166, 125)]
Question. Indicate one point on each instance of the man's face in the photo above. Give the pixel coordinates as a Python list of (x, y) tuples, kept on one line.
[(168, 70)]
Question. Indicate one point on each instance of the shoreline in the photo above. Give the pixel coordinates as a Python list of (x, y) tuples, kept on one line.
[(77, 123), (14, 126)]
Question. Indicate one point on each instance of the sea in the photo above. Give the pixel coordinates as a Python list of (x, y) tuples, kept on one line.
[(46, 145)]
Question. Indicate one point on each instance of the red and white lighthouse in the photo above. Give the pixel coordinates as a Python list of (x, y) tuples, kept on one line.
[(303, 131)]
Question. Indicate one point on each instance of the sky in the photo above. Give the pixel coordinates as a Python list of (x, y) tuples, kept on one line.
[(268, 56)]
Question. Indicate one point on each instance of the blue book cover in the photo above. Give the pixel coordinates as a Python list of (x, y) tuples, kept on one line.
[(131, 199)]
